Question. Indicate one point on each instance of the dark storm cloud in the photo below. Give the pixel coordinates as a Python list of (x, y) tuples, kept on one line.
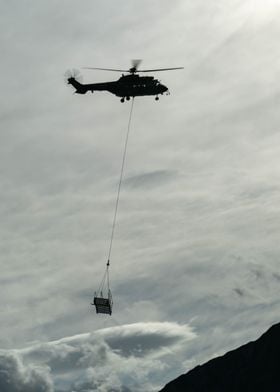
[(140, 341)]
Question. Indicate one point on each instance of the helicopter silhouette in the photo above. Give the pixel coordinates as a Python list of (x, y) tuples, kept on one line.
[(127, 86)]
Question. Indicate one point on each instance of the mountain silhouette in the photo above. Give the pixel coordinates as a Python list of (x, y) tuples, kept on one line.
[(253, 367)]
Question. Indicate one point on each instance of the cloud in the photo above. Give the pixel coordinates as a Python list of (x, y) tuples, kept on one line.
[(150, 179), (132, 357), (17, 377), (142, 339)]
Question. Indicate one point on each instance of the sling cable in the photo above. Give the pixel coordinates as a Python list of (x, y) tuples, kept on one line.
[(103, 300)]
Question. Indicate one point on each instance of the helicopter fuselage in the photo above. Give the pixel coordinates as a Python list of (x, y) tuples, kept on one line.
[(126, 87)]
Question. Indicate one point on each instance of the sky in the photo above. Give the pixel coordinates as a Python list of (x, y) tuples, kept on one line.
[(195, 258)]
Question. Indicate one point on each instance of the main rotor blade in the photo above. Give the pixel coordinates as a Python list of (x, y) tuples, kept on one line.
[(108, 69), (159, 69)]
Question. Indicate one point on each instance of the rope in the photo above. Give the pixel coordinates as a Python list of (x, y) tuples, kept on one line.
[(119, 186), (105, 278)]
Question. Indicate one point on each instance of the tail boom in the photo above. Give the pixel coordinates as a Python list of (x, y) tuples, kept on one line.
[(84, 88)]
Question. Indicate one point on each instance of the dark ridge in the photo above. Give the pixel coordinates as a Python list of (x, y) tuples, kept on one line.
[(254, 367)]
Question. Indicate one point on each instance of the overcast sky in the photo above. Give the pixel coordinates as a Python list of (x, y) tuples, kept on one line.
[(195, 260)]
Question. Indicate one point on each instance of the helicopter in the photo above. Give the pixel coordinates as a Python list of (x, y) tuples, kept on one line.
[(128, 86)]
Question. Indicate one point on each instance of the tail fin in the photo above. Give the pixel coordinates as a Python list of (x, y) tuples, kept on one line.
[(74, 78), (80, 89)]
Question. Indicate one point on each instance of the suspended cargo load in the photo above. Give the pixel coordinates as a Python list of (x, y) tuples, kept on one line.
[(103, 305)]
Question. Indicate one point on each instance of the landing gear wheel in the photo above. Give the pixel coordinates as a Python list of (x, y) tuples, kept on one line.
[(127, 98), (122, 100), (156, 98)]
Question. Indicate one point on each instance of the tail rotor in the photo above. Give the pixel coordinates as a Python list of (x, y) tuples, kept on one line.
[(73, 75)]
